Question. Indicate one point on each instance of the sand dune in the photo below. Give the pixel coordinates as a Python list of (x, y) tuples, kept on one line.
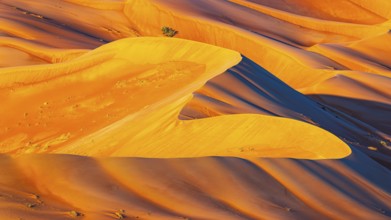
[(193, 188), (105, 118), (257, 91), (284, 45), (140, 96)]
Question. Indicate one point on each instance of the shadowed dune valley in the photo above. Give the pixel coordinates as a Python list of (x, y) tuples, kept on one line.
[(195, 109)]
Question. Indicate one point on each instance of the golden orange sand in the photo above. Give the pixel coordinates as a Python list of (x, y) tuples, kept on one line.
[(116, 100), (105, 118), (52, 186)]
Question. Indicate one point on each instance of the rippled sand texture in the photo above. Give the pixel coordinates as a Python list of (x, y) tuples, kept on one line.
[(256, 109)]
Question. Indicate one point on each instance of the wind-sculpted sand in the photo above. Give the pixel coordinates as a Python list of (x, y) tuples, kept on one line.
[(255, 109)]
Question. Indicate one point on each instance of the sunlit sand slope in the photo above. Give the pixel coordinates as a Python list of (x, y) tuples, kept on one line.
[(124, 99), (314, 78), (256, 91), (203, 188), (303, 43), (281, 35)]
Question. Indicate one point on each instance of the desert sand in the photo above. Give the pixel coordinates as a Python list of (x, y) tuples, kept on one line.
[(255, 109)]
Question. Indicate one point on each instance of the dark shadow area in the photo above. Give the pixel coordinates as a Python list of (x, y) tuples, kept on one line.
[(375, 114), (247, 88)]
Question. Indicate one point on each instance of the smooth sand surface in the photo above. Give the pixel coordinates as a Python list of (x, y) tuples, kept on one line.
[(256, 109), (52, 186), (127, 104)]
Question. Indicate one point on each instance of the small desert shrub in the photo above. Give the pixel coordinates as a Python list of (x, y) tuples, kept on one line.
[(169, 32)]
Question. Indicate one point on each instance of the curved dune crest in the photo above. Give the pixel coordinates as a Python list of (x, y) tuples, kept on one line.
[(242, 135), (273, 48), (255, 109), (35, 53), (257, 91), (140, 96), (291, 44)]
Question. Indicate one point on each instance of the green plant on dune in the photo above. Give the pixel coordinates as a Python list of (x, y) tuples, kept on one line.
[(169, 32)]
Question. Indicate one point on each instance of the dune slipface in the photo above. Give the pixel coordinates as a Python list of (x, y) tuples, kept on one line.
[(254, 109), (139, 87)]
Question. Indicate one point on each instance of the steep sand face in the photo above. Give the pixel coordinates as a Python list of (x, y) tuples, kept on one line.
[(140, 96), (226, 24), (367, 55), (257, 91), (260, 41), (61, 91), (65, 24), (24, 24), (304, 50)]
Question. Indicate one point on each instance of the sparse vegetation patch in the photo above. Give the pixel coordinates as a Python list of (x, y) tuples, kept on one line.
[(169, 32)]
